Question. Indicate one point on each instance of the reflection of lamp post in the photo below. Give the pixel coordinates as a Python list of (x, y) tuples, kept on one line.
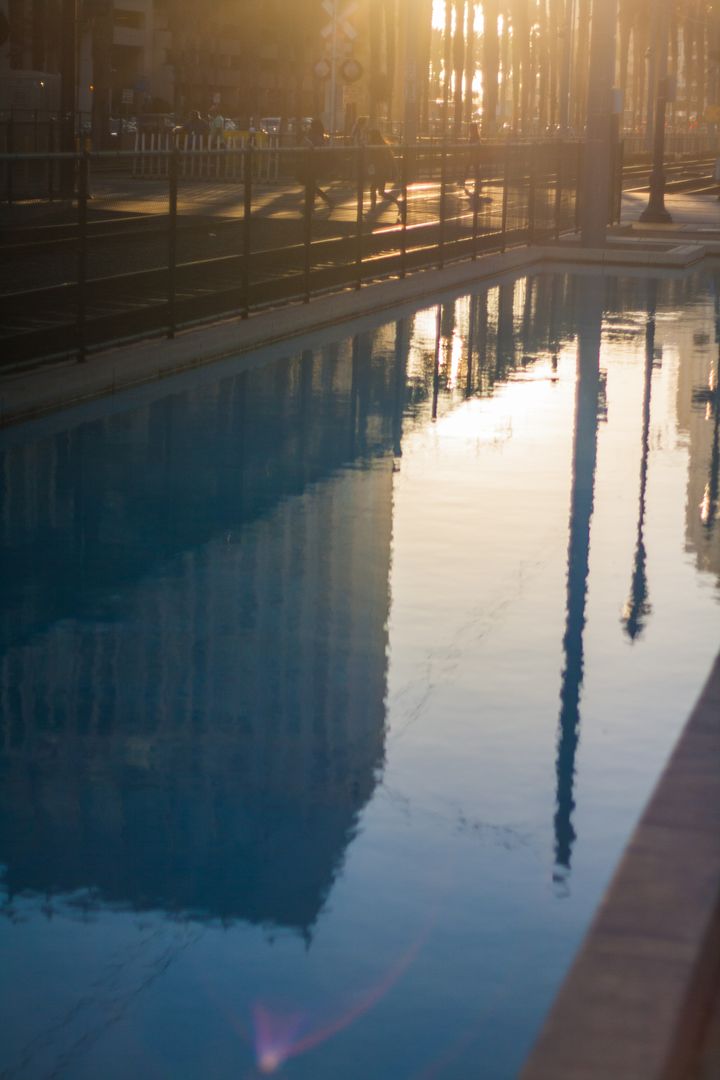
[(637, 607), (655, 211), (585, 449)]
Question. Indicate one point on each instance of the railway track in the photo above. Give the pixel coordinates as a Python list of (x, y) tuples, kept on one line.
[(694, 175)]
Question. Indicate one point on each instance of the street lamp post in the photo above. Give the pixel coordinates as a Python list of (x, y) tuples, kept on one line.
[(656, 211), (68, 89), (599, 150), (566, 70), (411, 34)]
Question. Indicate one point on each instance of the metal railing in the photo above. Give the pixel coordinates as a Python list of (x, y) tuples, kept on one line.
[(142, 243)]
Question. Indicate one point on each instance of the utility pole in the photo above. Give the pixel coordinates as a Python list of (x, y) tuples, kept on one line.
[(655, 211), (597, 186)]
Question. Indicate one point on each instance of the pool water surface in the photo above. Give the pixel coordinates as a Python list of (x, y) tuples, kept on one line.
[(332, 685)]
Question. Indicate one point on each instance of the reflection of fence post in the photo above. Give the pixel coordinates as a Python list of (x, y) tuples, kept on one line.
[(360, 206), (307, 219), (404, 184), (505, 199), (173, 170), (83, 190), (443, 191), (247, 159)]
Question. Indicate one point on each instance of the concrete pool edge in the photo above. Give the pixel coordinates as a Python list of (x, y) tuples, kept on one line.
[(639, 996), (38, 391)]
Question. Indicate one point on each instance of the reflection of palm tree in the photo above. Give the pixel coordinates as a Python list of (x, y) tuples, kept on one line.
[(637, 608), (582, 504)]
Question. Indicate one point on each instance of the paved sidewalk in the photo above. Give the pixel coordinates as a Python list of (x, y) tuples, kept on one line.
[(690, 213)]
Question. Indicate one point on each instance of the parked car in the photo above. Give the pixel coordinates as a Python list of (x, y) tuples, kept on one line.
[(123, 125), (155, 123)]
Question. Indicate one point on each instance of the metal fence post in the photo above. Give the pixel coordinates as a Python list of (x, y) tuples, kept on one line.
[(248, 166), (443, 193), (559, 189), (10, 137), (51, 178), (619, 181), (532, 194), (360, 207), (578, 185), (404, 184), (308, 216), (173, 170), (476, 202), (505, 199), (82, 200)]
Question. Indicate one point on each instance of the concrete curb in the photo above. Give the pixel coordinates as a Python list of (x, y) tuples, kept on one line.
[(33, 393), (638, 998)]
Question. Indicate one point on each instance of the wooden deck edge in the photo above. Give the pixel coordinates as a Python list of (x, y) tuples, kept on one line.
[(637, 1000)]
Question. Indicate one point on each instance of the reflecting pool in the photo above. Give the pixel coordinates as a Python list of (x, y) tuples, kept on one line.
[(332, 684)]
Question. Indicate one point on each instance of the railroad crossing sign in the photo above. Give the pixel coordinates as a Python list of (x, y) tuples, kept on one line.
[(339, 35), (339, 26)]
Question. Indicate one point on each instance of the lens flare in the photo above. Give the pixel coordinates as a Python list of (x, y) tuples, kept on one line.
[(281, 1037)]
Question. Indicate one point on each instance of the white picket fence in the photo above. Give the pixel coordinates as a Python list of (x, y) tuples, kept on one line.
[(205, 157)]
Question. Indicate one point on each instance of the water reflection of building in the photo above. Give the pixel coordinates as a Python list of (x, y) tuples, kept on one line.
[(193, 642), (698, 410), (697, 393)]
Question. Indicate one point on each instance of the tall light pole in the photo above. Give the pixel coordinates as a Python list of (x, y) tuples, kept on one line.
[(411, 30), (566, 71), (68, 89), (656, 212), (597, 185)]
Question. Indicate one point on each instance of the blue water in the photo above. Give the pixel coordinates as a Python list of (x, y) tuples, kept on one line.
[(332, 684)]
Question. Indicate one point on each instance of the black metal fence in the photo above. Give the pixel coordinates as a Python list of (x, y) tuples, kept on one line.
[(99, 248)]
